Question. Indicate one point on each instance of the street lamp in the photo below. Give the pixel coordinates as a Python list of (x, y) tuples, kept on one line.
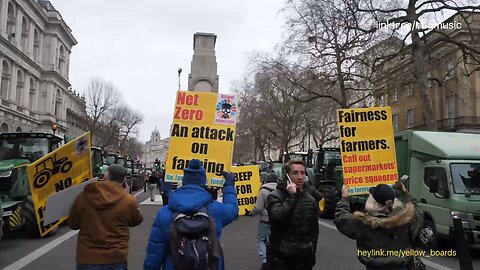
[(54, 127), (179, 73)]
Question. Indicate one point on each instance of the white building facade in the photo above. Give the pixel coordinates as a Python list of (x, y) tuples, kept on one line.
[(35, 92), (155, 148)]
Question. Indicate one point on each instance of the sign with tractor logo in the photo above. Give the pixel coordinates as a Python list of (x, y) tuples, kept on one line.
[(67, 166)]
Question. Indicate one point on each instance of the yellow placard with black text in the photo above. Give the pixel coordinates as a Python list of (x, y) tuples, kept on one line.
[(247, 184), (368, 148), (203, 128), (67, 166)]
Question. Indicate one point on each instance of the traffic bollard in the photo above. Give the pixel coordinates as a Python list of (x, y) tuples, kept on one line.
[(463, 253)]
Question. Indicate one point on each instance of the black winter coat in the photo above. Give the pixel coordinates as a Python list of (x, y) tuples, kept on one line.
[(293, 221)]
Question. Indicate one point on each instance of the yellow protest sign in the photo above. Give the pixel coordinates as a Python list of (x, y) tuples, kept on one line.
[(368, 148), (203, 127), (247, 183), (67, 166)]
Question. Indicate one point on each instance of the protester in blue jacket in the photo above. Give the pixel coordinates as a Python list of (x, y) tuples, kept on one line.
[(189, 198)]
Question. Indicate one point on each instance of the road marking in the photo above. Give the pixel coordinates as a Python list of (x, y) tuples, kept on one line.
[(40, 252), (45, 248), (425, 261), (156, 201)]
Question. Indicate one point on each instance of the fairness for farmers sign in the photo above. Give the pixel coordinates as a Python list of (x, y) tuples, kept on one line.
[(368, 148), (67, 166), (203, 127)]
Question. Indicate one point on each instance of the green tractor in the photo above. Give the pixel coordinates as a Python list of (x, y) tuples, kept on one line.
[(324, 171), (17, 151), (98, 163)]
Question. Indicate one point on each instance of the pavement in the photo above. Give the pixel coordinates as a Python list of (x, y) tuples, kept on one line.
[(334, 250)]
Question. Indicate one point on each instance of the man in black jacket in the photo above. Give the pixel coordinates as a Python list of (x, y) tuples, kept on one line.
[(293, 216)]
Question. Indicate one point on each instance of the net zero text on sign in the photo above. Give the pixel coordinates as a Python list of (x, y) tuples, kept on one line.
[(203, 128), (368, 148)]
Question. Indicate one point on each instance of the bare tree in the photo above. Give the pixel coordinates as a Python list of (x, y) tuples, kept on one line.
[(102, 99), (324, 52), (414, 15), (113, 125)]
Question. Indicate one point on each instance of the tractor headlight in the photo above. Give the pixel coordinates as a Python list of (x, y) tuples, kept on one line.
[(5, 174)]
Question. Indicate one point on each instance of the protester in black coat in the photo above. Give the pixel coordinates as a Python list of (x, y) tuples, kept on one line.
[(293, 216)]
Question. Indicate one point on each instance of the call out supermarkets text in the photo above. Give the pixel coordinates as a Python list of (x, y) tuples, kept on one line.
[(406, 253)]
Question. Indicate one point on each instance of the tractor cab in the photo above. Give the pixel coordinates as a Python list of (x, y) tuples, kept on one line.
[(17, 151), (26, 146), (98, 163), (110, 159)]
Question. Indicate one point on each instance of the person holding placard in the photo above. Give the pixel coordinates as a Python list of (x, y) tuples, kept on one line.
[(388, 225), (103, 213), (293, 218)]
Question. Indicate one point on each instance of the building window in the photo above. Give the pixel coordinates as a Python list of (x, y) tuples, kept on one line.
[(19, 92), (395, 95), (450, 69), (36, 44), (61, 60), (5, 80), (31, 95), (11, 20), (395, 122), (410, 118), (408, 90), (383, 100), (24, 37), (58, 101), (450, 103)]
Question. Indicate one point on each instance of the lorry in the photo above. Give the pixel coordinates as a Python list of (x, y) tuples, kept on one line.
[(17, 151), (444, 176), (443, 170)]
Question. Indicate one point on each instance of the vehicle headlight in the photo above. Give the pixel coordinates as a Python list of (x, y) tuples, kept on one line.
[(6, 173), (464, 217)]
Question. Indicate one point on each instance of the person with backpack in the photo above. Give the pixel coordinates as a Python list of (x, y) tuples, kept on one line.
[(186, 233), (261, 209), (388, 223)]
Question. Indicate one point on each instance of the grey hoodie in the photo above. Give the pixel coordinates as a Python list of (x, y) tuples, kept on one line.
[(261, 205)]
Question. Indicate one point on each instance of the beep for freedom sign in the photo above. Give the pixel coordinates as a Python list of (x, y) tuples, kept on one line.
[(368, 148), (67, 166), (247, 183), (203, 127)]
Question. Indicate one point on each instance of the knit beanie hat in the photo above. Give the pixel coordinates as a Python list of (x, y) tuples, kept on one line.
[(272, 177), (194, 174), (382, 193)]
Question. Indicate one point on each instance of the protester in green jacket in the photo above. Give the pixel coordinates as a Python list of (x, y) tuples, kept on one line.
[(386, 228)]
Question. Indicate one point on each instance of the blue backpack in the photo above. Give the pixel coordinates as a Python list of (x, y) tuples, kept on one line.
[(193, 241)]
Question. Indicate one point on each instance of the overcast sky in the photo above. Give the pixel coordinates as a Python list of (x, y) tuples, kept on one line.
[(139, 45)]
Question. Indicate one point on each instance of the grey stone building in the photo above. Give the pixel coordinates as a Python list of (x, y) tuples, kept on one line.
[(155, 148), (35, 92)]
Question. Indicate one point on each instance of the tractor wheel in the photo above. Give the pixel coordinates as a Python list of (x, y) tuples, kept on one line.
[(41, 179), (31, 226), (329, 202), (28, 211), (427, 237), (66, 167)]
